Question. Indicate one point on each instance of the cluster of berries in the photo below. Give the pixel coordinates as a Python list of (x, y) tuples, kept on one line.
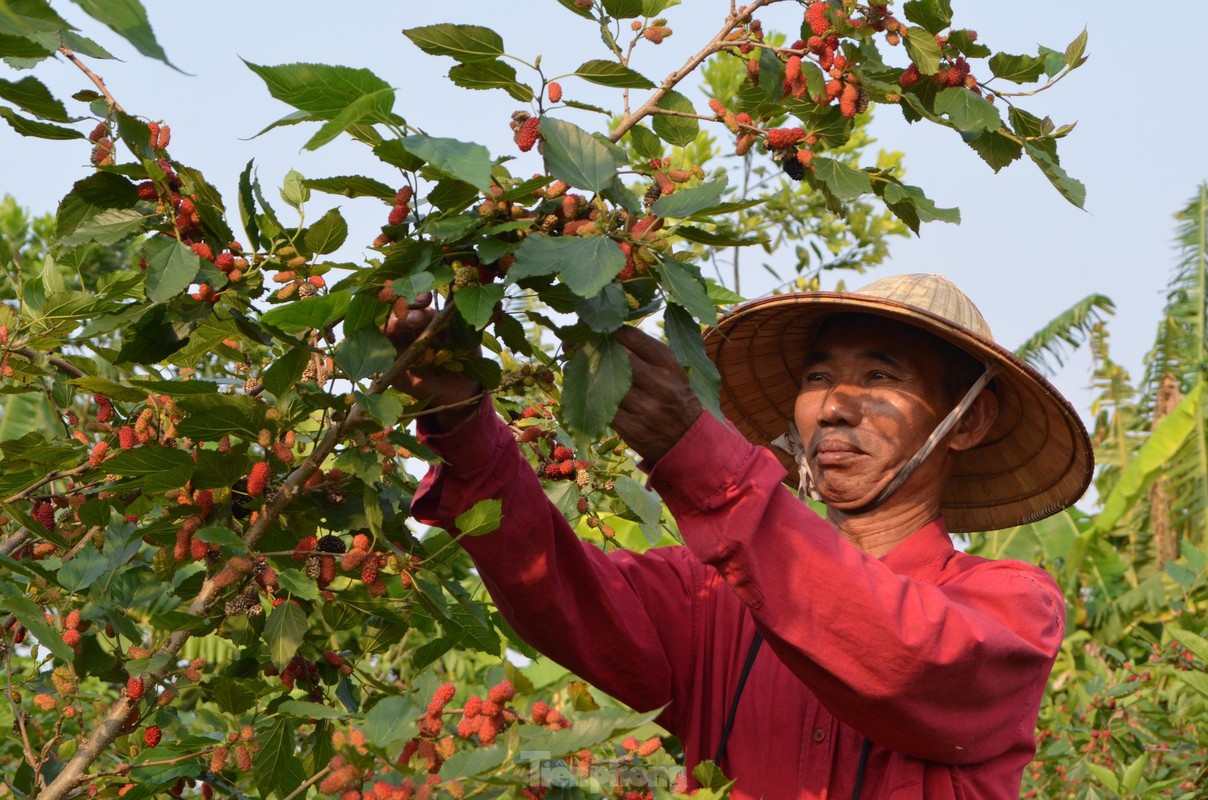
[(73, 628), (487, 718), (102, 146), (654, 32)]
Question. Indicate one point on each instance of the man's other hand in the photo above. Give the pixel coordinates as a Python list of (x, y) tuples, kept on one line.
[(435, 387), (660, 406)]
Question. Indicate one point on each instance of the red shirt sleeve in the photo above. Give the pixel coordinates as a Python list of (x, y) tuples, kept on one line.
[(621, 621), (947, 669)]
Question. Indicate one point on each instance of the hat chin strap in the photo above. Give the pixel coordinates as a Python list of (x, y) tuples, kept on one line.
[(807, 487)]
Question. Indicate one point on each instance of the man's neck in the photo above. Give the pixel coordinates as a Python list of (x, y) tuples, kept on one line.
[(878, 531)]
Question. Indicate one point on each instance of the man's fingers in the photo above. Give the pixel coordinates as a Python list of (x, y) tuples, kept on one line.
[(645, 347)]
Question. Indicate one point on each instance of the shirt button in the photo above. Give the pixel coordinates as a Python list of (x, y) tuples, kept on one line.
[(819, 734)]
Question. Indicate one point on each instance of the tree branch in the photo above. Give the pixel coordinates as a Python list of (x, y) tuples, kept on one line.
[(97, 80)]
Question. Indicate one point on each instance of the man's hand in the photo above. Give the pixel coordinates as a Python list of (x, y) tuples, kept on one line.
[(660, 406), (435, 387)]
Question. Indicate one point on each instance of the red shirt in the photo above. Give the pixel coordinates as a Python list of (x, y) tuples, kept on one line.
[(938, 657)]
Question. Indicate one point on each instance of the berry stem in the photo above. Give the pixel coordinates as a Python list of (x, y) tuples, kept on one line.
[(97, 80), (671, 81)]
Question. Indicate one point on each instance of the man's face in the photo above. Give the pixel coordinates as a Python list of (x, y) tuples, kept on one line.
[(871, 394)]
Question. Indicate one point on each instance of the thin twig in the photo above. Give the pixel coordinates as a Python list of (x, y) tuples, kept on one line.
[(671, 81), (311, 781), (92, 76), (32, 355)]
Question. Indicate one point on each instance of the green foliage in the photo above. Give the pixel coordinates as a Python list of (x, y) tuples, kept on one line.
[(205, 471)]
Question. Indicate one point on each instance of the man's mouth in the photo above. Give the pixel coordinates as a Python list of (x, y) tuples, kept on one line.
[(835, 452)]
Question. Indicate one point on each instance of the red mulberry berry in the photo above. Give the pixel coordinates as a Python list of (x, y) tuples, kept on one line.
[(72, 620), (398, 214), (501, 692), (562, 453), (152, 735), (555, 92), (257, 480), (104, 409), (784, 138), (71, 637), (849, 100), (164, 138), (225, 261), (44, 512), (369, 570), (716, 106), (528, 134), (649, 747), (815, 15), (134, 688), (99, 132), (125, 437), (98, 453), (203, 251), (198, 549), (440, 698), (218, 759), (243, 757), (147, 191)]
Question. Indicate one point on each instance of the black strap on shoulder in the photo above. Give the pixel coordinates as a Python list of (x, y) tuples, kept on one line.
[(855, 795), (742, 681)]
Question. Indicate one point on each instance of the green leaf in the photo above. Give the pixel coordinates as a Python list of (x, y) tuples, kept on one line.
[(676, 131), (82, 571), (843, 182), (1192, 641), (995, 148), (1017, 69), (352, 186), (144, 461), (1075, 49), (210, 417), (580, 159), (1196, 680), (364, 110), (30, 17), (108, 227), (610, 73), (302, 708), (934, 15), (605, 311), (645, 143), (468, 763), (390, 721), (683, 334), (285, 371), (585, 265), (293, 189), (284, 631), (39, 130), (476, 304), (364, 353), (967, 110), (385, 408), (23, 48), (483, 517), (1132, 775), (327, 234), (319, 89), (623, 9), (277, 769), (467, 162), (595, 380), (313, 312), (232, 697), (31, 617), (1168, 435), (641, 501), (128, 19), (1070, 188), (716, 238), (171, 267), (32, 95), (462, 42), (1104, 776), (688, 289), (491, 75), (298, 585), (686, 202), (925, 209), (923, 50)]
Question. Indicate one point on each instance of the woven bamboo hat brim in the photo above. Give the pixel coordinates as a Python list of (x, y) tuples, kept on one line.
[(1037, 458)]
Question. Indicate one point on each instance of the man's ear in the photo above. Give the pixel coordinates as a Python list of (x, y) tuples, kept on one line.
[(976, 422)]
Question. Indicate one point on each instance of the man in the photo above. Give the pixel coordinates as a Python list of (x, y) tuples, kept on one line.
[(893, 665)]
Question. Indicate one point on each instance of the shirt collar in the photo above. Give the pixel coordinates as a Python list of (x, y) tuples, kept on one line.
[(924, 553)]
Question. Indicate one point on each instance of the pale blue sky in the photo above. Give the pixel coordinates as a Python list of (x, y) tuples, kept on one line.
[(1022, 252)]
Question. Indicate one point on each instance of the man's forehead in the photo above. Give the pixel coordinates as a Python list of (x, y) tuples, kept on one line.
[(870, 337)]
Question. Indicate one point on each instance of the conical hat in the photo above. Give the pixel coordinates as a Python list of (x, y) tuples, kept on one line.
[(1036, 459)]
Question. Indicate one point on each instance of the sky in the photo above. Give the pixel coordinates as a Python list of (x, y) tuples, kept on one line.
[(1021, 252)]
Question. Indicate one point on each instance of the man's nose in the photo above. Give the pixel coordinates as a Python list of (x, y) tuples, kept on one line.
[(840, 406)]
